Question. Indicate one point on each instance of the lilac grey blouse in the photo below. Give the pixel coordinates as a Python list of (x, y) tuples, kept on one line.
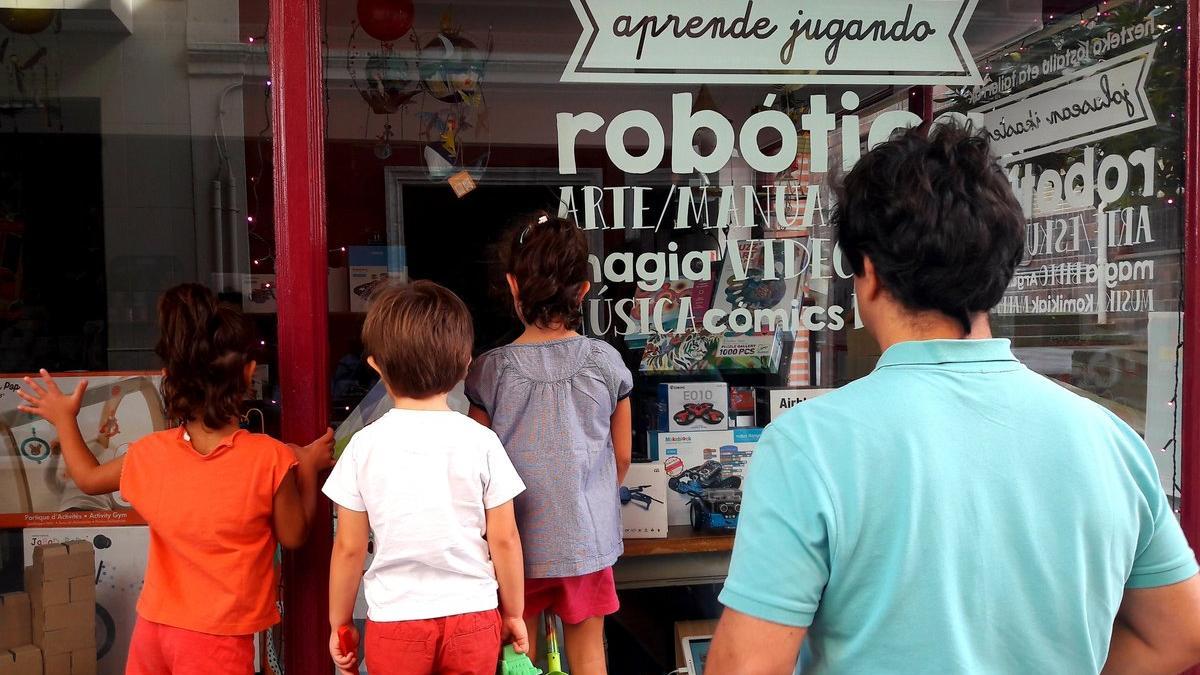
[(551, 404)]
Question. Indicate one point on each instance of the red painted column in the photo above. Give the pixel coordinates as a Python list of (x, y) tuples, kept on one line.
[(298, 119), (1190, 462)]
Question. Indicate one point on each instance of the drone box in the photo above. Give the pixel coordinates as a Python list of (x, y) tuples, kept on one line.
[(679, 397), (682, 452), (644, 516)]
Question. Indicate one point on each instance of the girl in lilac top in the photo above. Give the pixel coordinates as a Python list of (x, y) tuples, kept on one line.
[(559, 403)]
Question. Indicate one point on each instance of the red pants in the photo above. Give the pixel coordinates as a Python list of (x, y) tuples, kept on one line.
[(156, 649), (464, 644)]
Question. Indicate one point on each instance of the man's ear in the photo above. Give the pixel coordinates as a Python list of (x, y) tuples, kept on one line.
[(583, 291), (868, 282), (374, 366)]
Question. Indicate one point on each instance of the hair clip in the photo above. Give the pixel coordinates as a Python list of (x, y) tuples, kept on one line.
[(542, 220)]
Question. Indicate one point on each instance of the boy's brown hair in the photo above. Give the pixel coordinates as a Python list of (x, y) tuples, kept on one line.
[(420, 336)]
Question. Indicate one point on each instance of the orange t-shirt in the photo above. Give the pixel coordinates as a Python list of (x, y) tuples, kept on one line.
[(211, 565)]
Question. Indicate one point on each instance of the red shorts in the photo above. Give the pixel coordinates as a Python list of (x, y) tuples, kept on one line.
[(156, 649), (464, 644), (573, 599)]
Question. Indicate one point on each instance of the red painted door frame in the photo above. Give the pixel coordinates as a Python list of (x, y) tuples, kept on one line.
[(298, 115), (298, 121)]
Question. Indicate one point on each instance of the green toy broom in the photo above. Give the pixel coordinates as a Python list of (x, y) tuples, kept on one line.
[(513, 663), (553, 661)]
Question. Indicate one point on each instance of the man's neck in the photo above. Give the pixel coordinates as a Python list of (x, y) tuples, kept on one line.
[(930, 326)]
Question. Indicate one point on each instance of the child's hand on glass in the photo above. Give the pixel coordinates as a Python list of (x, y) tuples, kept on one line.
[(318, 455), (513, 631), (347, 664), (47, 401)]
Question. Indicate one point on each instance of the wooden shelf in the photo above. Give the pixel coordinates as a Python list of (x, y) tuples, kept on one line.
[(681, 539)]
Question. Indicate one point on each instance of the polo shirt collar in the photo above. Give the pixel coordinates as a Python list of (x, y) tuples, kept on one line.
[(944, 352)]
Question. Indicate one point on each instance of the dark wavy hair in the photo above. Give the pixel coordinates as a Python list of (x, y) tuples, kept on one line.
[(205, 347), (548, 256), (938, 219)]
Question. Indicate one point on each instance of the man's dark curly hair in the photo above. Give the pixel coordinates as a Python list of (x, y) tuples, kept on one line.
[(938, 219)]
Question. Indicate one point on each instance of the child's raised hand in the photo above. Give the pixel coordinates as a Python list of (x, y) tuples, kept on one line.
[(347, 664), (317, 455), (47, 401), (513, 631)]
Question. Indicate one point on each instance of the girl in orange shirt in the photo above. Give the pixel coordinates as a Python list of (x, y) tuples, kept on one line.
[(217, 498)]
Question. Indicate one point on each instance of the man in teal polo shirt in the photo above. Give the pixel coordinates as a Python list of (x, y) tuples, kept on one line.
[(951, 512)]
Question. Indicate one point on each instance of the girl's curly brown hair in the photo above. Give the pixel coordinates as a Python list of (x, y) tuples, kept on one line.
[(548, 256), (205, 347)]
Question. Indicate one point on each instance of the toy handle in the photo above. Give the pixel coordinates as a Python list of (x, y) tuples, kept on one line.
[(346, 640)]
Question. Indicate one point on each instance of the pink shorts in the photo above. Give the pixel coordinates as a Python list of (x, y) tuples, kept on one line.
[(573, 599)]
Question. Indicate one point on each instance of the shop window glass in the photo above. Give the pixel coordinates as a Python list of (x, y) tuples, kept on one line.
[(135, 152), (445, 126)]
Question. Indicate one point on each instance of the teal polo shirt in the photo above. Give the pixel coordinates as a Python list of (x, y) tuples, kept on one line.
[(952, 512)]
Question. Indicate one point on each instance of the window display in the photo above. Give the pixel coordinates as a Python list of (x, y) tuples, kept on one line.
[(700, 160), (697, 146)]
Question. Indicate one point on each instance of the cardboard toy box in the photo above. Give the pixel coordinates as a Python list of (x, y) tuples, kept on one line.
[(780, 401), (682, 452), (683, 400), (644, 501), (61, 585), (112, 586), (697, 352), (23, 660), (258, 295), (749, 353)]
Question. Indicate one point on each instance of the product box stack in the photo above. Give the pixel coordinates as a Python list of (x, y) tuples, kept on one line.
[(18, 656), (62, 591)]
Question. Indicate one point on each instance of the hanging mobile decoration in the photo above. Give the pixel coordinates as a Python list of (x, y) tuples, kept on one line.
[(390, 82), (383, 149), (454, 67), (448, 68), (32, 70)]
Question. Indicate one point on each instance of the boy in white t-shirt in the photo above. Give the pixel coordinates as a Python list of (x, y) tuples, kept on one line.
[(437, 489)]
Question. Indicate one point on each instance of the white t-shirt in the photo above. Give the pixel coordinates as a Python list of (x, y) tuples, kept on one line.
[(425, 479)]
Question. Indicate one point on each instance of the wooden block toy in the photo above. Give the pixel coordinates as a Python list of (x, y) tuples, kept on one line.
[(65, 561), (23, 660), (16, 627)]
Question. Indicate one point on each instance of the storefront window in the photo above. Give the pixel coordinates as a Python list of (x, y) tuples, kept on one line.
[(135, 151), (703, 181)]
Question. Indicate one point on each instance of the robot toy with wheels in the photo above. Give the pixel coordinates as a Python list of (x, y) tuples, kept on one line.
[(716, 500)]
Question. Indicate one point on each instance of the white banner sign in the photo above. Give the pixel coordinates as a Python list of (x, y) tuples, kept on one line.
[(773, 41), (1103, 100)]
